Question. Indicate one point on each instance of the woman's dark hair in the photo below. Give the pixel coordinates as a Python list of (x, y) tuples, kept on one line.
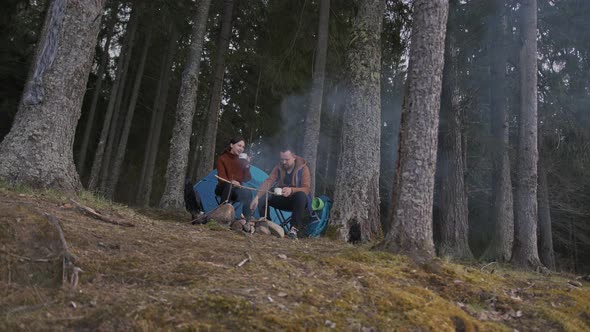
[(235, 140)]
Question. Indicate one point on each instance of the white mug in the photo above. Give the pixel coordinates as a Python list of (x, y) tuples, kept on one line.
[(278, 191), (243, 156)]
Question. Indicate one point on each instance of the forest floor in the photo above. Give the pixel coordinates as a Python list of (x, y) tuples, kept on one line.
[(165, 274)]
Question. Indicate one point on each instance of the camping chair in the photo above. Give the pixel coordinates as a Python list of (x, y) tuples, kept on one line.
[(285, 222), (310, 216)]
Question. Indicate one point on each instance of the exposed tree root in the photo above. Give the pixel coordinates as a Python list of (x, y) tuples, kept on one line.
[(92, 213), (69, 270)]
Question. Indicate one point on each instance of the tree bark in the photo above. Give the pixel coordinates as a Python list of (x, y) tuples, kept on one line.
[(327, 153), (212, 117), (356, 198), (454, 241), (122, 147), (97, 91), (525, 253), (185, 110), (121, 68), (117, 120), (311, 134), (198, 141), (411, 230), (546, 241), (139, 198), (573, 246), (149, 163), (38, 150), (115, 127), (502, 216)]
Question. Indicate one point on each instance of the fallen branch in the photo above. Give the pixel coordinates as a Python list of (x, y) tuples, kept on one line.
[(28, 308), (529, 286), (75, 277), (483, 267), (574, 283), (246, 260), (92, 213), (241, 186), (68, 258), (66, 252), (25, 258)]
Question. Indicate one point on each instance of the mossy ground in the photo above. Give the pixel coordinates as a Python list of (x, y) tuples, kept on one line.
[(165, 274)]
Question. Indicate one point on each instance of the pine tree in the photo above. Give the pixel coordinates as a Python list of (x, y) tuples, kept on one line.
[(525, 253), (185, 110), (411, 230), (38, 151), (311, 135), (356, 198), (450, 166)]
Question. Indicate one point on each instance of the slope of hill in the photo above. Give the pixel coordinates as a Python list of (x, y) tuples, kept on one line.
[(165, 274)]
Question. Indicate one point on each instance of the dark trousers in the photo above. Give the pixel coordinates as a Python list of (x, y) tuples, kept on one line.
[(295, 203), (244, 196)]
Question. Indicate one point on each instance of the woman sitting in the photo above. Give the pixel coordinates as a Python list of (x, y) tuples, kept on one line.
[(233, 165)]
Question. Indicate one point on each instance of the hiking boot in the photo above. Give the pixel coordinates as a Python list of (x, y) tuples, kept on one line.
[(293, 233)]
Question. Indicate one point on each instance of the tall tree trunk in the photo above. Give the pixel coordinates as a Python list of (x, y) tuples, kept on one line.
[(356, 198), (525, 253), (121, 68), (122, 147), (453, 210), (198, 141), (411, 230), (212, 117), (574, 245), (547, 254), (329, 128), (149, 163), (139, 198), (502, 216), (115, 127), (97, 90), (311, 135), (185, 110), (335, 133), (117, 119), (38, 150)]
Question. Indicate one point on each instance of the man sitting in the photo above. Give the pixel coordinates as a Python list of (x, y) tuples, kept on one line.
[(292, 175)]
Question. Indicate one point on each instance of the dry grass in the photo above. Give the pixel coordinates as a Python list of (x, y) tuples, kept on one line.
[(164, 274)]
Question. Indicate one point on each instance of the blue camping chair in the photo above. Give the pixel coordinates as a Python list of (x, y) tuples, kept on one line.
[(285, 217)]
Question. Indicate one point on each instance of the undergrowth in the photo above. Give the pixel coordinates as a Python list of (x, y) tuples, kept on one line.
[(165, 274)]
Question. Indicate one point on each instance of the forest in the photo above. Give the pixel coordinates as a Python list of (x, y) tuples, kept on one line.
[(456, 129)]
